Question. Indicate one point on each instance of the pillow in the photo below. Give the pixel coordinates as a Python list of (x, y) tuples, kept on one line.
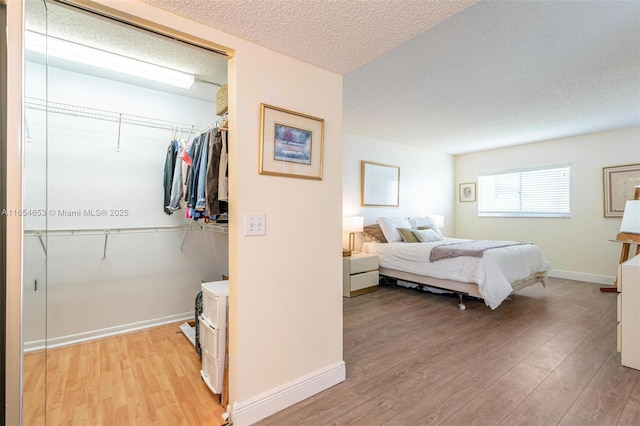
[(425, 223), (426, 235), (407, 235), (375, 233), (390, 227)]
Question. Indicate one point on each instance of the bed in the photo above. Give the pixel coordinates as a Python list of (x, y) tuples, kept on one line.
[(492, 276)]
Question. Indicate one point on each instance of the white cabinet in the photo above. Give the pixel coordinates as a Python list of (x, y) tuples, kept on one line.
[(213, 333), (360, 274), (629, 312)]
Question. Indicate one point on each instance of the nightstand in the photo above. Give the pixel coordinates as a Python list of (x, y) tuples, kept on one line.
[(359, 274)]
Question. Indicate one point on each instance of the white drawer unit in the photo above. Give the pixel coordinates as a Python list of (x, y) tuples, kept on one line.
[(214, 302), (213, 333), (629, 312), (360, 274)]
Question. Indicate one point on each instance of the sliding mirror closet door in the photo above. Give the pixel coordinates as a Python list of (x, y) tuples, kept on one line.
[(35, 215), (124, 264)]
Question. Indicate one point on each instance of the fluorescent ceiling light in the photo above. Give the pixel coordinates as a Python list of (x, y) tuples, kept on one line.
[(79, 53)]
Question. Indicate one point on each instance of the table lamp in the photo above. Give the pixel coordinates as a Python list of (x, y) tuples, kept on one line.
[(352, 224), (438, 219)]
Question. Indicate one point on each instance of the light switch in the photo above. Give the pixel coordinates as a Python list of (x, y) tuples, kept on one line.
[(255, 224)]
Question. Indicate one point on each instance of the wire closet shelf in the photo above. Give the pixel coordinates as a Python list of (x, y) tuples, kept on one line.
[(99, 114), (106, 232)]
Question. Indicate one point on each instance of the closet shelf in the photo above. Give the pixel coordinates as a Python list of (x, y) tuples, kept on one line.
[(115, 117), (217, 227)]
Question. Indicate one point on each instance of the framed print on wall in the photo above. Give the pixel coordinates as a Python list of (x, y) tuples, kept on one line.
[(291, 143), (467, 192), (619, 183), (379, 184)]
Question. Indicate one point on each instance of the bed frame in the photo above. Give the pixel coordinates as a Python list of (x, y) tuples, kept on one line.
[(460, 288)]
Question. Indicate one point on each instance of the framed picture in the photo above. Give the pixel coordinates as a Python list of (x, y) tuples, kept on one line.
[(290, 143), (467, 192), (380, 184), (619, 183)]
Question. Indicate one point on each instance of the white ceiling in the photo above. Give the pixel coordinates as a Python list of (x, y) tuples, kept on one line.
[(335, 35), (504, 73), (456, 76)]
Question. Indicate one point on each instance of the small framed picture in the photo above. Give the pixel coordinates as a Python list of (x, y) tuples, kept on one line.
[(467, 192), (290, 143)]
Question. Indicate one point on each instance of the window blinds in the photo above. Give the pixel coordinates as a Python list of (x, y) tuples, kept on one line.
[(533, 192)]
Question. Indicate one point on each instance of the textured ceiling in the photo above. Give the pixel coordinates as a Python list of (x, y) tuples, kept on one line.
[(474, 77), (504, 73), (334, 35)]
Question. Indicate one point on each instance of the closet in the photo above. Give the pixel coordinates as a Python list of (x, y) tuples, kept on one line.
[(104, 253)]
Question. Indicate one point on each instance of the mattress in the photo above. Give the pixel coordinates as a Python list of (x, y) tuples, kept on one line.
[(493, 272)]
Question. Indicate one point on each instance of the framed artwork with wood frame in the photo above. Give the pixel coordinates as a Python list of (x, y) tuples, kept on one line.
[(619, 183), (379, 184), (291, 143)]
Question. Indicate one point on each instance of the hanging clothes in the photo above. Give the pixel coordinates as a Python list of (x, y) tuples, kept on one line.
[(202, 174), (176, 185), (169, 169), (223, 179), (195, 171), (199, 178), (188, 156), (213, 207)]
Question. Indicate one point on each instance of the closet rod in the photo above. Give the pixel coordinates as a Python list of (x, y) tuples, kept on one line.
[(218, 227), (218, 121), (115, 117), (108, 231)]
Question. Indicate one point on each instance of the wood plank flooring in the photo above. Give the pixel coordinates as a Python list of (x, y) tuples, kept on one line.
[(545, 357), (149, 377)]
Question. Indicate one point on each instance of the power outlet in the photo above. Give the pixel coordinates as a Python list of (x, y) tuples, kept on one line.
[(255, 224)]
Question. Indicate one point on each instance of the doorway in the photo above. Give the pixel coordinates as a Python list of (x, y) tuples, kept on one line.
[(102, 257)]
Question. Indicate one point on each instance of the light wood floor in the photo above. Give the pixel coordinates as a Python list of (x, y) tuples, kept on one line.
[(546, 357), (149, 377)]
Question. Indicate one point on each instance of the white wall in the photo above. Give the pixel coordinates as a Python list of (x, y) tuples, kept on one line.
[(577, 247), (288, 310), (426, 180), (285, 287)]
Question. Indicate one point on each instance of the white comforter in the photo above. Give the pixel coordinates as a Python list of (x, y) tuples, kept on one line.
[(494, 272)]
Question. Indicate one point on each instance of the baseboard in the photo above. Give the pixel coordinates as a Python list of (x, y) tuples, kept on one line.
[(281, 397), (104, 332), (579, 276)]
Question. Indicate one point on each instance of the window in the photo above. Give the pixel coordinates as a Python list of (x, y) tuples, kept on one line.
[(534, 192)]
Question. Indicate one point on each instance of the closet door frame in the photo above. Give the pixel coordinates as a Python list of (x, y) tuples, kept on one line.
[(144, 24), (11, 164), (3, 200)]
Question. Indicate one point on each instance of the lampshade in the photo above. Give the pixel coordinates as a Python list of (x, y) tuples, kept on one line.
[(438, 219), (352, 223), (631, 217)]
